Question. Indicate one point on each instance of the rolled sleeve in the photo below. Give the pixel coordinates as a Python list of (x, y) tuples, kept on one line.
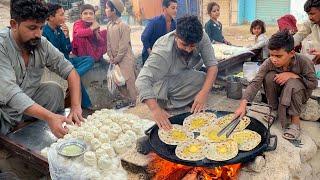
[(20, 102), (207, 51), (56, 62), (147, 94)]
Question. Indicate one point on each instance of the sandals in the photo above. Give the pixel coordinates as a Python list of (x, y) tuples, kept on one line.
[(292, 132)]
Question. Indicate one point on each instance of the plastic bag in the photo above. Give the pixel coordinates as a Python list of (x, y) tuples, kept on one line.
[(75, 169), (111, 84), (117, 76)]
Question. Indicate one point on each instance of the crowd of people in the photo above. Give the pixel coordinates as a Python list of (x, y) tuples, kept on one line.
[(38, 37)]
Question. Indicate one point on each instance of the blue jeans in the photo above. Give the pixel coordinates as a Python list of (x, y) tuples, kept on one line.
[(82, 65)]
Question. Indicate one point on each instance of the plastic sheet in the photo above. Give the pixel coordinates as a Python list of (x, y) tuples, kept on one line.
[(74, 168)]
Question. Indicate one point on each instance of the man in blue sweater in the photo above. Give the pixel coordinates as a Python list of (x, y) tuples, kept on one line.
[(57, 33), (159, 26)]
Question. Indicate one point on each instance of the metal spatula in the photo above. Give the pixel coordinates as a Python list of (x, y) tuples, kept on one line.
[(228, 129)]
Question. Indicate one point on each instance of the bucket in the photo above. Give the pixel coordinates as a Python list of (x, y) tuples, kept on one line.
[(250, 70), (234, 88)]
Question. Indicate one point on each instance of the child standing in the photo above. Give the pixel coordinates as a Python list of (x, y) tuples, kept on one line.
[(214, 27), (288, 79), (260, 48), (119, 47), (88, 40)]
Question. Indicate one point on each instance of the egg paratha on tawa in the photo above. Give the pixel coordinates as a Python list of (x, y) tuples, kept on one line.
[(222, 151), (191, 151), (225, 120), (210, 134), (197, 121), (177, 135), (246, 139)]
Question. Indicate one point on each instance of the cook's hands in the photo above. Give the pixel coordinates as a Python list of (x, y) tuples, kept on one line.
[(282, 78), (56, 122), (95, 26), (242, 109), (162, 118), (75, 115), (65, 29), (199, 102)]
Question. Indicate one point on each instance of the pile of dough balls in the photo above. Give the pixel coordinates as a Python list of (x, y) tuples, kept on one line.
[(108, 133), (115, 131)]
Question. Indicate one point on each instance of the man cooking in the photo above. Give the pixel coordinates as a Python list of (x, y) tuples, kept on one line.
[(168, 80), (23, 56)]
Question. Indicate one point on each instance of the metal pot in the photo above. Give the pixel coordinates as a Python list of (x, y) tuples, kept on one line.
[(234, 88)]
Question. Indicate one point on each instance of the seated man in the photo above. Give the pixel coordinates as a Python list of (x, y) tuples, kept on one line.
[(56, 31), (24, 55), (168, 80), (312, 26), (288, 79), (159, 26)]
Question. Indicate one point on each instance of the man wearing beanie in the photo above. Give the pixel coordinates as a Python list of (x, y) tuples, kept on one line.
[(168, 79)]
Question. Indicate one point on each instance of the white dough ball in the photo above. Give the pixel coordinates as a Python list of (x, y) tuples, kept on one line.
[(104, 129), (108, 149), (105, 162), (104, 138), (95, 143), (88, 136), (100, 152), (67, 136), (125, 127), (90, 158), (119, 146), (74, 134)]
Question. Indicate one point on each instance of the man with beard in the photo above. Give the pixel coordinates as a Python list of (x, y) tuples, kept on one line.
[(23, 56), (159, 26), (312, 26), (168, 80)]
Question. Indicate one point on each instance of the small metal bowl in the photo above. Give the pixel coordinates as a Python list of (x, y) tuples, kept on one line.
[(82, 145)]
